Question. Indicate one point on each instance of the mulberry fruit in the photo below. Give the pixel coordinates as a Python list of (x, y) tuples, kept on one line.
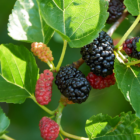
[(73, 84), (130, 47), (99, 55), (116, 8), (43, 91), (98, 82), (42, 52), (49, 129)]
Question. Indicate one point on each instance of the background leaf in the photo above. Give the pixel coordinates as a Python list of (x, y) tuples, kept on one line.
[(18, 71), (4, 122), (26, 24), (128, 80), (126, 126), (133, 6), (77, 21)]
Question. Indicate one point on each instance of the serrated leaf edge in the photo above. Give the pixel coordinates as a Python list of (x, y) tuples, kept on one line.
[(123, 113)]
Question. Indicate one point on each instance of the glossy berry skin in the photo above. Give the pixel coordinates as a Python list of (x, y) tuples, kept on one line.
[(49, 129), (116, 8), (129, 47), (66, 139), (66, 73), (73, 84), (77, 89), (98, 82), (43, 90), (99, 55)]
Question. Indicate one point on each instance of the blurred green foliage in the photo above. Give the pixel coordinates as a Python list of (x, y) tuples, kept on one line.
[(25, 117)]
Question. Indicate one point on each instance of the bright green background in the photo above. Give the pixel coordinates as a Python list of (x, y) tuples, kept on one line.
[(25, 117)]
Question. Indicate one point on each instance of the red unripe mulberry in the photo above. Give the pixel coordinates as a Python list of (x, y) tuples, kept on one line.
[(49, 129), (43, 91), (99, 82)]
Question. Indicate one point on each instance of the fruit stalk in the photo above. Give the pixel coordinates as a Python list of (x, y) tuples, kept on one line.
[(122, 57), (43, 107), (78, 63), (6, 137), (62, 56), (72, 136), (133, 63), (51, 65), (117, 23)]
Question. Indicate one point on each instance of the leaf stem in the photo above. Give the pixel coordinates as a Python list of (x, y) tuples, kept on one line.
[(61, 136), (128, 32), (53, 64), (133, 63), (72, 136), (62, 55), (59, 113), (43, 107), (6, 137)]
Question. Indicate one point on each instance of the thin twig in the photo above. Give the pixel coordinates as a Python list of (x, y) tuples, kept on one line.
[(6, 137), (43, 107), (78, 63), (117, 23), (71, 135), (62, 55)]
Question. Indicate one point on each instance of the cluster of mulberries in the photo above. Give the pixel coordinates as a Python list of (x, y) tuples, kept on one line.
[(42, 52), (43, 91), (99, 56), (130, 46), (116, 8), (73, 84)]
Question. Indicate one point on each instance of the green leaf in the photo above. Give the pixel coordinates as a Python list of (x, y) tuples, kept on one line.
[(126, 126), (138, 46), (128, 80), (4, 122), (11, 93), (133, 6), (77, 21), (26, 24), (18, 73)]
